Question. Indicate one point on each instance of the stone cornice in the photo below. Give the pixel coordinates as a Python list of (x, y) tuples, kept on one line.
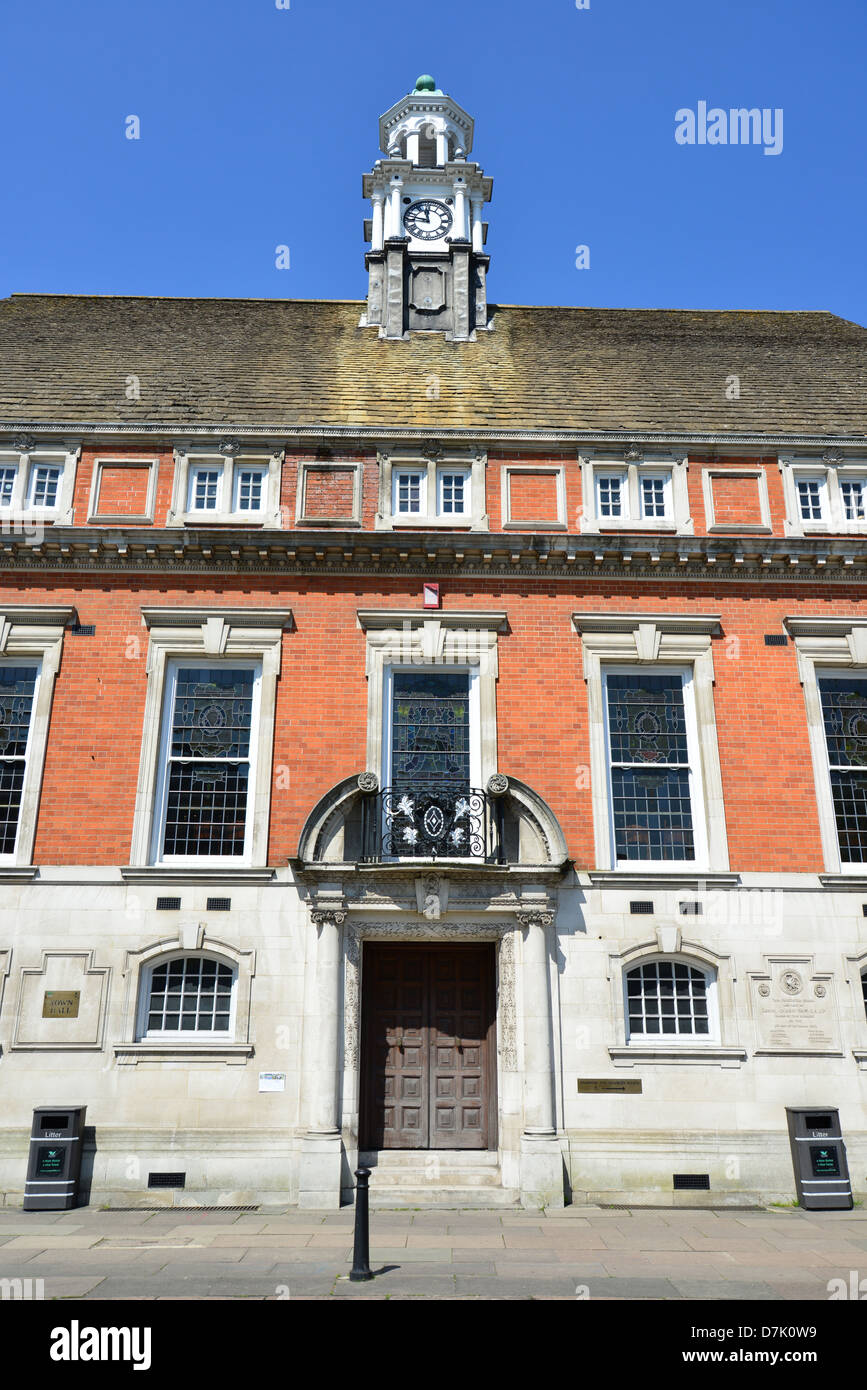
[(284, 434), (821, 561)]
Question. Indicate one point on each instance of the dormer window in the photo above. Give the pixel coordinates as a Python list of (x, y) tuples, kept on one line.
[(824, 495), (38, 484)]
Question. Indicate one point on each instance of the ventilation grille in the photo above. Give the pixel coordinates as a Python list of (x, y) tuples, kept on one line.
[(82, 629), (691, 909), (691, 1182), (168, 904), (167, 1179), (189, 1206), (641, 909), (219, 904), (776, 639)]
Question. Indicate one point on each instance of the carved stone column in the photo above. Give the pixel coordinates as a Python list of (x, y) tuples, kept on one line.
[(541, 1158), (322, 1149)]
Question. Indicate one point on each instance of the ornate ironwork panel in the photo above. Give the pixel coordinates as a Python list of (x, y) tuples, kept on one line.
[(432, 821)]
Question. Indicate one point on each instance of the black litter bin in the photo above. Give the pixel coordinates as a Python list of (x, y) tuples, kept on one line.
[(55, 1158), (819, 1158)]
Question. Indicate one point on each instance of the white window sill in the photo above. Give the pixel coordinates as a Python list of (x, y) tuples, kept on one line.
[(231, 1054), (686, 1053), (601, 525), (194, 873)]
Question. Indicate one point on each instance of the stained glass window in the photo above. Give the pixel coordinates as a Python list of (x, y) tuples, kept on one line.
[(190, 995), (667, 997), (430, 727), (650, 767), (17, 686), (844, 710), (209, 761)]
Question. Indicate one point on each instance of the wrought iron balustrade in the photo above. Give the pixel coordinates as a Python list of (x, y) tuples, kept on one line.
[(432, 820)]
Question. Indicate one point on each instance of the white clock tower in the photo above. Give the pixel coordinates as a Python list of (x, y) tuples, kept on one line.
[(427, 264)]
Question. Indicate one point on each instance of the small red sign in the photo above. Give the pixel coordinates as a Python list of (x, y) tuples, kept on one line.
[(431, 595)]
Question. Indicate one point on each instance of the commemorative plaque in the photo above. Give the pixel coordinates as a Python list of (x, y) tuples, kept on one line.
[(61, 1003)]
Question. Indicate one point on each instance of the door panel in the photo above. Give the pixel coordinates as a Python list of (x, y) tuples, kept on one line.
[(428, 1047)]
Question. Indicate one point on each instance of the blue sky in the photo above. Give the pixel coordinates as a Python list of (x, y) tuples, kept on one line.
[(257, 123)]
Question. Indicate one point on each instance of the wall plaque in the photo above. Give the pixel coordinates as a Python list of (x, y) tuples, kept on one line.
[(794, 1009), (61, 1003), (594, 1087)]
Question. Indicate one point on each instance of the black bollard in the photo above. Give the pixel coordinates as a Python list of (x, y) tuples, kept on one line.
[(361, 1249)]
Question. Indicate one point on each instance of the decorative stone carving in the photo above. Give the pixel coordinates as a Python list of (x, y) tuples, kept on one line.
[(25, 443), (368, 782), (634, 454), (535, 918), (507, 1024), (327, 918), (791, 982), (833, 456), (497, 784), (230, 447)]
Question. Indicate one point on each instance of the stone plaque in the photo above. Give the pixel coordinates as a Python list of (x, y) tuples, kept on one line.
[(61, 1003), (795, 1011), (595, 1087)]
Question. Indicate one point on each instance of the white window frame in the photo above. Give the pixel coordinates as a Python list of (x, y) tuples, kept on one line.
[(173, 666), (431, 465), (26, 462), (460, 471), (653, 1040), (229, 464), (33, 636), (607, 475), (827, 647), (176, 1036), (794, 468), (259, 469), (673, 467), (696, 791), (207, 637), (681, 641), (421, 475)]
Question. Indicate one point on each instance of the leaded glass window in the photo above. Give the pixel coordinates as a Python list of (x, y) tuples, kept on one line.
[(844, 711), (208, 761), (610, 494), (667, 997), (190, 995), (810, 498), (649, 754), (852, 491), (430, 727), (17, 688), (408, 492)]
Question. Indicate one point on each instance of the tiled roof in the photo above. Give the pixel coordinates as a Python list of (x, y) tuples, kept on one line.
[(307, 364)]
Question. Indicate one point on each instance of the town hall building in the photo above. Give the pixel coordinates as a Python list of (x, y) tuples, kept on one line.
[(434, 731)]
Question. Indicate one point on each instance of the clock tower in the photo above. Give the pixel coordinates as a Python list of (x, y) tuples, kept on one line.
[(427, 264)]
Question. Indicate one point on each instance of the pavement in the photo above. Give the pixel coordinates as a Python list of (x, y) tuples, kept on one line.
[(578, 1253)]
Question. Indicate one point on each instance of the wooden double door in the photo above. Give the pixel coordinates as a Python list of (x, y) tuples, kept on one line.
[(428, 1056)]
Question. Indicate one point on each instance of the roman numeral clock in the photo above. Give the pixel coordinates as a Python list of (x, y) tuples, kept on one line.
[(427, 265)]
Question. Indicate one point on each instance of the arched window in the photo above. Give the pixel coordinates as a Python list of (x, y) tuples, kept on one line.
[(668, 998), (188, 995)]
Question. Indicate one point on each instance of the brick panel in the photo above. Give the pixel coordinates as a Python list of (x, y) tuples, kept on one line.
[(533, 496)]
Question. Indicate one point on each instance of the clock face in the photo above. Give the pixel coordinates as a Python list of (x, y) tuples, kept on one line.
[(428, 220)]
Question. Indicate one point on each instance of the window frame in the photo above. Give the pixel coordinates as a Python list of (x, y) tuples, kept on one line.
[(797, 468), (389, 670), (26, 462), (173, 666), (178, 1036), (229, 461), (455, 471), (824, 673), (206, 636), (655, 1040), (673, 468), (827, 647), (430, 465), (409, 472), (661, 640), (696, 789), (12, 856)]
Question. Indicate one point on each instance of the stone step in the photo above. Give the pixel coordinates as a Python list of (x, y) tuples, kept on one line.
[(447, 1198), (436, 1178)]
